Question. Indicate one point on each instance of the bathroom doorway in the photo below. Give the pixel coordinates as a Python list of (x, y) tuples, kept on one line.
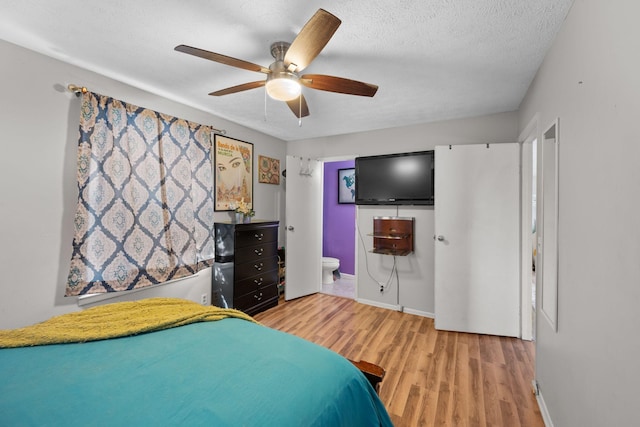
[(338, 227)]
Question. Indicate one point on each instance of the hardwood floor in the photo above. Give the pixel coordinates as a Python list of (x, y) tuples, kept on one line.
[(434, 378)]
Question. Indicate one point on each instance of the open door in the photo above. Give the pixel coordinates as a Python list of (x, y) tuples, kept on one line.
[(304, 227), (477, 222)]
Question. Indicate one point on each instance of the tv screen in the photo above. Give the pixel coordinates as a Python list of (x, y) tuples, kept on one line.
[(395, 179)]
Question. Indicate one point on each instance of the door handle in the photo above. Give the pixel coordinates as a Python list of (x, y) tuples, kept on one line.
[(440, 238), (290, 228)]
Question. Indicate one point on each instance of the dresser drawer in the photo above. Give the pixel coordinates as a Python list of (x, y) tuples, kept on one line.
[(257, 252), (252, 299), (249, 269), (255, 283), (256, 236)]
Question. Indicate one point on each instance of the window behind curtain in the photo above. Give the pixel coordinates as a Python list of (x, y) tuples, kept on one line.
[(145, 209)]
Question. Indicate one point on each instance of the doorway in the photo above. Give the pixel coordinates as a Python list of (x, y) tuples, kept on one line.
[(531, 193), (529, 236), (338, 226)]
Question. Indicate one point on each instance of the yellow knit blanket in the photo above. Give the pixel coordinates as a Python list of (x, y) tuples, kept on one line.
[(116, 320)]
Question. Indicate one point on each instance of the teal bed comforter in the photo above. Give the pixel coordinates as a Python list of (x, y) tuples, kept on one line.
[(229, 372)]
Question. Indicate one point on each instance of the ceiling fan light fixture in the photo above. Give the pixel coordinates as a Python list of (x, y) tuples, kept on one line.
[(283, 86)]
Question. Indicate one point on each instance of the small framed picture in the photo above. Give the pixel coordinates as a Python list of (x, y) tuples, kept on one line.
[(347, 185), (268, 170)]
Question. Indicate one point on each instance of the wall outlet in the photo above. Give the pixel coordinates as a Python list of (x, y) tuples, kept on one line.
[(204, 300)]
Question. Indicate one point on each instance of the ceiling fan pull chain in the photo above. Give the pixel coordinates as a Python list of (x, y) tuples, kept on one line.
[(300, 110), (265, 105)]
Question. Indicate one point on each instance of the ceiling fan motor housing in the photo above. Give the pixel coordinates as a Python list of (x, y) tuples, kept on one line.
[(279, 49), (282, 84)]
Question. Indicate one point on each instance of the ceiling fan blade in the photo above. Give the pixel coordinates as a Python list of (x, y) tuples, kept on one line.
[(299, 106), (223, 59), (338, 84), (239, 88), (312, 38)]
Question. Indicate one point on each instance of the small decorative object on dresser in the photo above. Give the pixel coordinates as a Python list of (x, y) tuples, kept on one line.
[(245, 272)]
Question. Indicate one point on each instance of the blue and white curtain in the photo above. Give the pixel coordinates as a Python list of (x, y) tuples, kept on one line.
[(145, 199)]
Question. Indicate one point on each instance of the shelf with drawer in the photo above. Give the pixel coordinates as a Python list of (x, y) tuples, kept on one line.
[(392, 236)]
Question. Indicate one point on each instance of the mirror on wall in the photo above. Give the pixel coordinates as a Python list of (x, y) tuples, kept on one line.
[(549, 210)]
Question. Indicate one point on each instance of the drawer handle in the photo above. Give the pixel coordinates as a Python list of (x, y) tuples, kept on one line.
[(258, 281), (258, 297), (259, 236), (258, 267), (259, 252)]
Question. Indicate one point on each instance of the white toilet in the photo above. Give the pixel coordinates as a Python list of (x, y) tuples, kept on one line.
[(329, 265)]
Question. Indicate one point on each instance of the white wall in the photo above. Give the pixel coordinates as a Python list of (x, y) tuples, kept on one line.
[(38, 137), (416, 292), (588, 371)]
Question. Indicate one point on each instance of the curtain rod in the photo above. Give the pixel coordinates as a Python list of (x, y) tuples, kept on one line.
[(79, 90)]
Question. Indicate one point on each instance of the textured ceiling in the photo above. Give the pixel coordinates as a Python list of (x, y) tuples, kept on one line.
[(432, 59)]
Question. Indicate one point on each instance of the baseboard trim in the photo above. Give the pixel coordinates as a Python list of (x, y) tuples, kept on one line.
[(419, 313), (379, 304), (546, 418), (396, 308)]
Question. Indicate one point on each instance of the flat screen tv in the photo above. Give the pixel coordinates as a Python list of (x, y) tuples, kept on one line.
[(395, 179)]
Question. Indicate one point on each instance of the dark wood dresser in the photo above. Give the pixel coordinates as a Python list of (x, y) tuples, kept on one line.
[(245, 272)]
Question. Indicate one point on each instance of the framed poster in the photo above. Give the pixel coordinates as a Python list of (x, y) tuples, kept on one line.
[(233, 164), (268, 170), (347, 185)]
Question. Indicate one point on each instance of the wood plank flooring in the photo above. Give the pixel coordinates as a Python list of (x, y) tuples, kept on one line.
[(434, 378)]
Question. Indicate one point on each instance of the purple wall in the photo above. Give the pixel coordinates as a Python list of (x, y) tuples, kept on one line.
[(339, 220)]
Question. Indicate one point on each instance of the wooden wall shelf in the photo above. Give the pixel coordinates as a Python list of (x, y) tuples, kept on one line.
[(392, 236)]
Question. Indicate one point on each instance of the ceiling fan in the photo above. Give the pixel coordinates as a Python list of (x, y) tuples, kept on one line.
[(283, 80)]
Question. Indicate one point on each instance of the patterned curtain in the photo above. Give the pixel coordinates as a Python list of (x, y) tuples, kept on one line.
[(145, 205)]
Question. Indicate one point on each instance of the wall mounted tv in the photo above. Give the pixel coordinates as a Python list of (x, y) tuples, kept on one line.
[(395, 179)]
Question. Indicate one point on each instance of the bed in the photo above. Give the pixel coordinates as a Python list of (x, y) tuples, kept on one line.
[(165, 361)]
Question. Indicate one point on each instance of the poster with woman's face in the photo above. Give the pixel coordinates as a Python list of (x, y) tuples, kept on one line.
[(233, 171)]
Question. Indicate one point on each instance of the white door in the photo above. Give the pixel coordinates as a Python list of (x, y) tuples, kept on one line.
[(477, 223), (304, 227)]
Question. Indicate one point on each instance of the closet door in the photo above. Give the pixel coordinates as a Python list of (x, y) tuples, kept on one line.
[(477, 223)]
